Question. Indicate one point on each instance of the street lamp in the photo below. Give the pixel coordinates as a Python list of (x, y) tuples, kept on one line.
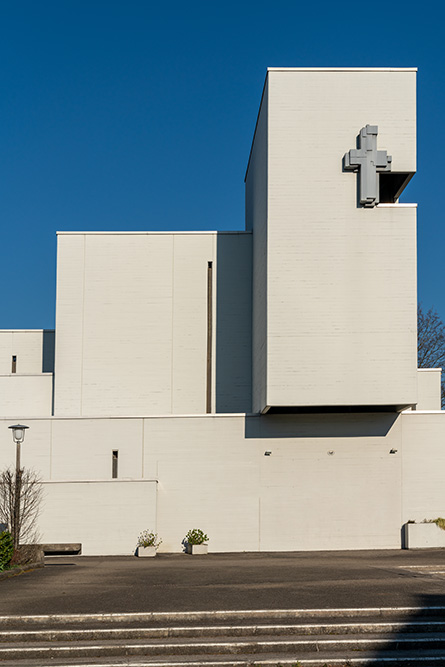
[(18, 435)]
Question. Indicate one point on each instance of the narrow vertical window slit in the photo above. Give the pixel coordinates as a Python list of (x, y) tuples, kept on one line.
[(114, 462)]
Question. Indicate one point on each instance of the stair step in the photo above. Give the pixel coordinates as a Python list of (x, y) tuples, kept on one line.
[(254, 638), (163, 618), (369, 659), (298, 647), (313, 629)]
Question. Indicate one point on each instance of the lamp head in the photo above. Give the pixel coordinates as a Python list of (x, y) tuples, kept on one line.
[(18, 432)]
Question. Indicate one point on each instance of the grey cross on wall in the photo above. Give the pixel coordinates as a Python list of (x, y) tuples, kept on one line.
[(369, 161)]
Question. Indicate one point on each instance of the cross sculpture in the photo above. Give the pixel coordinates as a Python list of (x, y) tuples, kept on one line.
[(370, 162)]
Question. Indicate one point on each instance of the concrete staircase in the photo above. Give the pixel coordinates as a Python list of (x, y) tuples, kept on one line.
[(260, 638)]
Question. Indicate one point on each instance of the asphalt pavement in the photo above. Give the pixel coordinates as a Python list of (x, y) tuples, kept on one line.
[(180, 582)]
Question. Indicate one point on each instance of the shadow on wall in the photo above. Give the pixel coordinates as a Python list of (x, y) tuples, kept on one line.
[(48, 351), (233, 327), (376, 424)]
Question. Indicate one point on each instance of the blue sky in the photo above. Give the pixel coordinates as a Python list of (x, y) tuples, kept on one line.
[(139, 116)]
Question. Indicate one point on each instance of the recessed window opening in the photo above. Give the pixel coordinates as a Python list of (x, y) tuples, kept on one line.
[(114, 463), (391, 186), (14, 364)]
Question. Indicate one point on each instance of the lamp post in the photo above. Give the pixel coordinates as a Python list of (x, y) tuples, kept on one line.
[(18, 435)]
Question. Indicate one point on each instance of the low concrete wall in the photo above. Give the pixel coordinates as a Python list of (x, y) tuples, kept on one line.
[(106, 517), (252, 483), (423, 489)]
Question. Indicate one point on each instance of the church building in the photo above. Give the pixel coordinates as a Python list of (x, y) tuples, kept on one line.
[(260, 385)]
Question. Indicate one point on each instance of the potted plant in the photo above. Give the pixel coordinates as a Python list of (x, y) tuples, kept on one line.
[(424, 534), (195, 541), (148, 543)]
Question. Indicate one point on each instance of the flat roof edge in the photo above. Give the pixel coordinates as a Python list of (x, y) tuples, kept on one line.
[(206, 415), (342, 69), (25, 330), (154, 233)]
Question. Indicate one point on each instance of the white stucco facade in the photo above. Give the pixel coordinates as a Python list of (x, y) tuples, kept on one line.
[(260, 385), (335, 314)]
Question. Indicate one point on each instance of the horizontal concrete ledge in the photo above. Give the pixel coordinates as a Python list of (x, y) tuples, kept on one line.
[(224, 615), (24, 375), (211, 415), (423, 412), (8, 331), (395, 205), (99, 481), (214, 415)]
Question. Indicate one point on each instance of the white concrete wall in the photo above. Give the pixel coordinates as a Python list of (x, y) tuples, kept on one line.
[(82, 503), (35, 450), (429, 389), (341, 279), (26, 395), (28, 391), (330, 481), (90, 443), (423, 490), (105, 517), (77, 449), (69, 324), (257, 220), (34, 349), (131, 322), (213, 474)]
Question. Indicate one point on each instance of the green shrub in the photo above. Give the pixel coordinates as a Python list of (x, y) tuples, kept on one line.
[(196, 536), (148, 539), (6, 550), (440, 522)]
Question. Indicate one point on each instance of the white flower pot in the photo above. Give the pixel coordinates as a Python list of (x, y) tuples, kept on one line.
[(423, 536), (196, 549), (146, 552)]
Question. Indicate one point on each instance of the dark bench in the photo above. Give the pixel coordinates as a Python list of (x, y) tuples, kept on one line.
[(62, 549)]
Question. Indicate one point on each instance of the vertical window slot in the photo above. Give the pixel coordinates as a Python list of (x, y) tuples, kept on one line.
[(14, 364), (114, 463)]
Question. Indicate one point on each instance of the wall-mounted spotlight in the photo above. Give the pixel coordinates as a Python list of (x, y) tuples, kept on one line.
[(393, 451), (267, 453)]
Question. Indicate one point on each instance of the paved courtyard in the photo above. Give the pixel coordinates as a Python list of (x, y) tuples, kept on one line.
[(177, 582)]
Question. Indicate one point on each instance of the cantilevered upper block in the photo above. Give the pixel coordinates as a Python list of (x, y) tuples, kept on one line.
[(334, 270)]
